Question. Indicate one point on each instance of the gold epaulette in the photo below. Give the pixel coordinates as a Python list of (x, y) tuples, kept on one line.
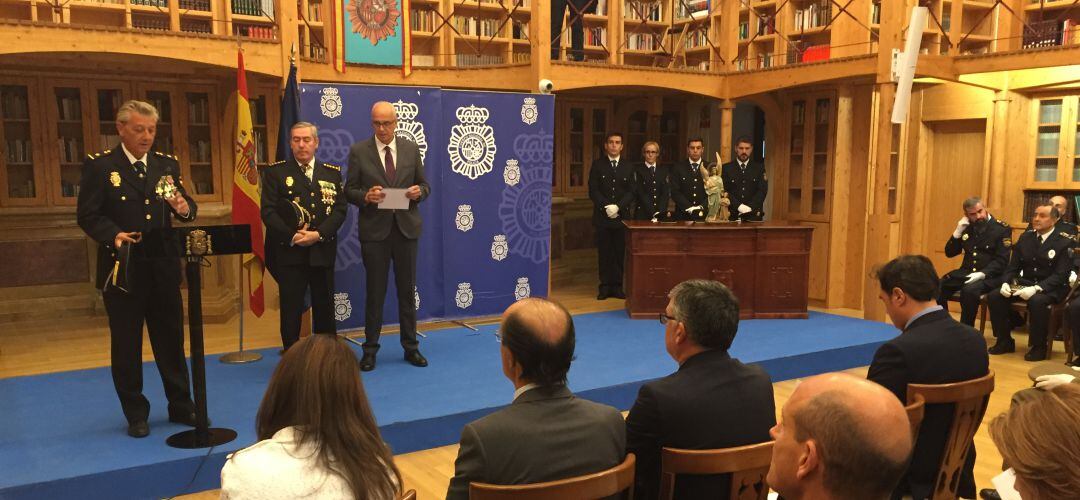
[(94, 156), (1065, 235), (276, 163), (1003, 223), (335, 167), (159, 153)]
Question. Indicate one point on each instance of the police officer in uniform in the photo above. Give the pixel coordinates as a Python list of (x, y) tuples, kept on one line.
[(745, 183), (652, 190), (303, 206), (128, 196), (1039, 274), (985, 242), (687, 185), (611, 189)]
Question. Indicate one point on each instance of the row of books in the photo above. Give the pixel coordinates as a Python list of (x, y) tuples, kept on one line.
[(875, 12), (70, 108), (479, 59), (253, 31), (108, 141), (152, 3), (199, 111), (521, 57), (697, 38), (13, 104), (203, 5), (641, 41), (314, 11), (70, 148), (519, 30), (691, 8), (253, 7), (19, 151), (422, 20), (594, 37), (23, 188), (763, 27), (639, 11), (1052, 32), (196, 26), (477, 26), (149, 22), (69, 189), (813, 15), (200, 151)]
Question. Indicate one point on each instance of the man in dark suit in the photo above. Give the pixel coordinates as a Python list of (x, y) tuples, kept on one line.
[(303, 206), (687, 185), (546, 433), (384, 162), (651, 183), (985, 242), (128, 195), (1038, 273), (712, 401), (932, 348), (745, 183), (611, 189)]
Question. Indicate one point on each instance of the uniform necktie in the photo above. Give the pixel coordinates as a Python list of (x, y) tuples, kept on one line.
[(614, 164), (307, 171), (652, 169), (140, 167), (742, 167), (695, 166), (391, 173)]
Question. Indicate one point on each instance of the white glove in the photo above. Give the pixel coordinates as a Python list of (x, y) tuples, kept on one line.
[(743, 209), (1072, 278), (1027, 292), (695, 208), (960, 227), (1006, 290), (612, 211), (976, 276), (1047, 382)]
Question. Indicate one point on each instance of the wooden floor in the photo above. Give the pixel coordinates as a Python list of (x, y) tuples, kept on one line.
[(28, 349)]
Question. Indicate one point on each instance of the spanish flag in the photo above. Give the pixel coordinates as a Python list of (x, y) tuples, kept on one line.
[(245, 199)]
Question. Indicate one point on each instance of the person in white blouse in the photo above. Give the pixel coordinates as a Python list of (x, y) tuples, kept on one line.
[(318, 435)]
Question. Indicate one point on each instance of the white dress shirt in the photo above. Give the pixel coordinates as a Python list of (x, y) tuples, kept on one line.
[(132, 159)]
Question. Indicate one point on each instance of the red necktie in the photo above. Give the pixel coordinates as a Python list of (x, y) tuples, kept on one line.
[(390, 172)]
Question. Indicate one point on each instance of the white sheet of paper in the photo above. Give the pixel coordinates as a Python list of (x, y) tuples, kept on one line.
[(395, 199), (1005, 483)]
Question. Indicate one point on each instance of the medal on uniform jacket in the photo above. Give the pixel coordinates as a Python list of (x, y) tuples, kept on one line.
[(166, 188), (964, 237), (329, 193), (114, 178), (1051, 254), (289, 181)]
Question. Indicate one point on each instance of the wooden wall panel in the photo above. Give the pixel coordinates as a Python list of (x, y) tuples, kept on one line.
[(45, 262), (819, 260)]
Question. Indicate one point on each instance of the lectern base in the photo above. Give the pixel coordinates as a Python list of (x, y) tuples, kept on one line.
[(239, 357), (201, 439)]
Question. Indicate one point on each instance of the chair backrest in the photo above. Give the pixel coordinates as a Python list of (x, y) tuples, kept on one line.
[(915, 412), (970, 399), (588, 487), (408, 495), (748, 466)]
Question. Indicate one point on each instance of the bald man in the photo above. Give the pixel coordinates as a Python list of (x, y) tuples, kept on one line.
[(839, 437), (387, 236), (546, 433)]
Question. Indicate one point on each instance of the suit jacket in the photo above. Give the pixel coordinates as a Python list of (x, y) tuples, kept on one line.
[(651, 190), (985, 249), (113, 199), (747, 188), (284, 182), (366, 170), (545, 434), (609, 186), (688, 189), (1044, 264), (934, 349), (712, 401)]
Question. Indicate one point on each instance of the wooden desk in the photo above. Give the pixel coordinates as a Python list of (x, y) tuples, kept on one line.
[(766, 264)]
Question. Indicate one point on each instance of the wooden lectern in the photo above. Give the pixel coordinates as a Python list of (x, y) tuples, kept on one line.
[(766, 264)]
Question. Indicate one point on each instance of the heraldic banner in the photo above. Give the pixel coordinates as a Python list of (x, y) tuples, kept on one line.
[(373, 31), (487, 224)]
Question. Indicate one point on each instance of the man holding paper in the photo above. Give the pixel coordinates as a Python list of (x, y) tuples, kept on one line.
[(386, 181)]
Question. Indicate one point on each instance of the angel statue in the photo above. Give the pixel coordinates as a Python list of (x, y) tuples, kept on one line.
[(714, 188)]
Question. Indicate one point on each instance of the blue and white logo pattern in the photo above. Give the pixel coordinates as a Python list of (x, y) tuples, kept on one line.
[(472, 143), (499, 248), (464, 218), (408, 127), (511, 172), (529, 112), (342, 306), (522, 291), (334, 145), (464, 296), (330, 103)]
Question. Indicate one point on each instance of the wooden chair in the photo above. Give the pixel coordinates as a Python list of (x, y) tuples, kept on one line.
[(915, 412), (970, 399), (983, 309), (1057, 322), (588, 487), (408, 495), (748, 466)]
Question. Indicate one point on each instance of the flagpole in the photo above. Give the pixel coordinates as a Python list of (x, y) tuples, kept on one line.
[(240, 356)]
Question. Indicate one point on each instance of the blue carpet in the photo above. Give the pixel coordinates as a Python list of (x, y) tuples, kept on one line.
[(62, 435)]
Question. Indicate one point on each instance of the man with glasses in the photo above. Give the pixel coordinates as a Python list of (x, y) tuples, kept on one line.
[(303, 206), (712, 401), (377, 166), (652, 190)]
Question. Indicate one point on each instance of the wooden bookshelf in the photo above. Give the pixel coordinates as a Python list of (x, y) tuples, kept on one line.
[(22, 172), (811, 133), (314, 29), (1055, 143)]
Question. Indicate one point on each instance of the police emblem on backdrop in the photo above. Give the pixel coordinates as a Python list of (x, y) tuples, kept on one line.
[(499, 248), (334, 145), (522, 291), (408, 127), (472, 143), (464, 218), (511, 172), (330, 103), (529, 112), (342, 306), (525, 211), (374, 20), (463, 297)]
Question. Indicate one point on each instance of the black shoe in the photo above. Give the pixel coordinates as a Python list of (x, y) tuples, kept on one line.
[(1002, 347), (601, 296), (989, 494), (1037, 353), (618, 295), (367, 363), (183, 418), (1074, 363), (138, 429), (416, 359)]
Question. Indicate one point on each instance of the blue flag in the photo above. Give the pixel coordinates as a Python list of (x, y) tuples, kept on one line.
[(290, 114)]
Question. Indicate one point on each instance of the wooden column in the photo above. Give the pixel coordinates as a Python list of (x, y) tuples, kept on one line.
[(540, 37), (995, 193), (727, 109), (840, 276), (287, 23), (728, 39)]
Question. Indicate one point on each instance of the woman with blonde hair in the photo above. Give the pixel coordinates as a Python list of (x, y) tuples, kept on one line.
[(318, 435), (1039, 438)]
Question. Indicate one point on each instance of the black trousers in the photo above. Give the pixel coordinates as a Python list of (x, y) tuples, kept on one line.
[(610, 253), (1073, 311), (293, 283), (970, 295), (153, 299), (577, 31), (1038, 316), (377, 256)]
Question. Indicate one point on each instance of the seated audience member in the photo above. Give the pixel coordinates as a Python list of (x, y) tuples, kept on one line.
[(1039, 439), (839, 437), (932, 348), (318, 435), (712, 401), (546, 433)]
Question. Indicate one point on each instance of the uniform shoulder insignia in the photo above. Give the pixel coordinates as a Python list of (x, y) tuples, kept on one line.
[(276, 163), (1003, 223), (165, 155), (1007, 242), (1063, 234), (94, 156), (335, 167)]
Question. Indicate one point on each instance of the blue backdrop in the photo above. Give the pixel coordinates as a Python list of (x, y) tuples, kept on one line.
[(487, 222)]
